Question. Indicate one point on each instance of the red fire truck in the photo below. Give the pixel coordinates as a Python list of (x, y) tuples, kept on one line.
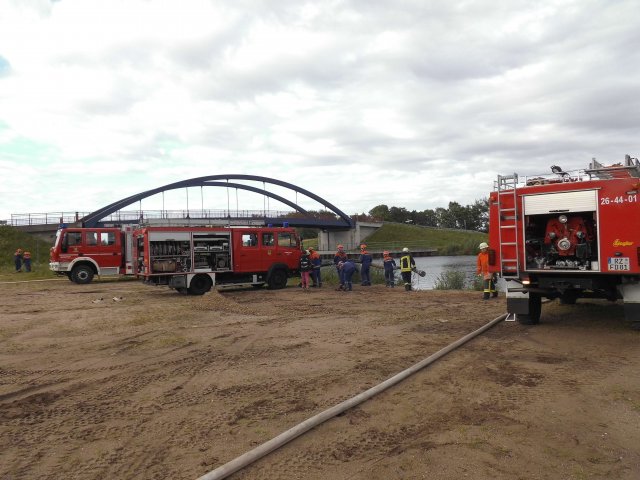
[(189, 259), (568, 235), (196, 259)]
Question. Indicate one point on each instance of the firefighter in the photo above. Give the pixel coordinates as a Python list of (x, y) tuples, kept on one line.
[(17, 258), (365, 261), (26, 261), (407, 265), (316, 261), (340, 256), (348, 267), (389, 268), (305, 268), (482, 269)]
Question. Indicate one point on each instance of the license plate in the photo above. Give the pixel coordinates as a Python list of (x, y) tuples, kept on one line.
[(619, 263)]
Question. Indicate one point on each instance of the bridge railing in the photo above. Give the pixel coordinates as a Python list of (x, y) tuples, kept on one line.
[(128, 216)]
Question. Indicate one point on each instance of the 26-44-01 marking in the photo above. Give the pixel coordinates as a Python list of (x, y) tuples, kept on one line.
[(620, 199)]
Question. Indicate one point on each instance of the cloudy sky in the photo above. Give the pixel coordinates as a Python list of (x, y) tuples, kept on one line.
[(409, 103)]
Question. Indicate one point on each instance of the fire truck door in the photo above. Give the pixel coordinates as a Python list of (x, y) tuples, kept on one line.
[(287, 245), (103, 246), (247, 254)]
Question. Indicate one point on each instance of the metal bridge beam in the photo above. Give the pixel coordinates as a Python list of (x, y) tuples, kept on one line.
[(92, 219)]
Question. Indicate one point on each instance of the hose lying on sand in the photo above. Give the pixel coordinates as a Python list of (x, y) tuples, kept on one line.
[(285, 437)]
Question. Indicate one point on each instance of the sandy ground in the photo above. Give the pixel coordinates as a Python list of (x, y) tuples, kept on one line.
[(164, 386)]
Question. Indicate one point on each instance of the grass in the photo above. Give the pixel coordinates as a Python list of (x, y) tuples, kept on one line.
[(394, 236), (450, 280), (10, 240)]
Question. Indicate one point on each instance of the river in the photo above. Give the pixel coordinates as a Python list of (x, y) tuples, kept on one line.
[(435, 266)]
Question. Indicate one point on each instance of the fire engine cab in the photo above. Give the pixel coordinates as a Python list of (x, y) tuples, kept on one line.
[(193, 260), (189, 259), (82, 253), (568, 235)]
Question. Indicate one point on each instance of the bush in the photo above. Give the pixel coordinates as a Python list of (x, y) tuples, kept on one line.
[(478, 283), (450, 280)]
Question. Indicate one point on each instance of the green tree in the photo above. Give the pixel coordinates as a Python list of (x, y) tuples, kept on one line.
[(381, 213)]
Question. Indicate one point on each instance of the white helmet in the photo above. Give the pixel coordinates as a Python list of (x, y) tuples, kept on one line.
[(483, 245), (405, 249)]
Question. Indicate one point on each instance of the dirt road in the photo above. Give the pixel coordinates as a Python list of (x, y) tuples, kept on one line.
[(157, 385)]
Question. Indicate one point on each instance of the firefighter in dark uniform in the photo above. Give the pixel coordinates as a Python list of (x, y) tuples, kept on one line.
[(340, 256), (316, 261), (365, 270), (407, 265)]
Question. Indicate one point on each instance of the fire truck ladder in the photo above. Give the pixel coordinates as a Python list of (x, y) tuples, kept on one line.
[(507, 222)]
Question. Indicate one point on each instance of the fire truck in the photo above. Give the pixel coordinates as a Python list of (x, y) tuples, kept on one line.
[(193, 260), (568, 235), (189, 259)]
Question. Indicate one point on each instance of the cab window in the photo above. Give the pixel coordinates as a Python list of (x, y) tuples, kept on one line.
[(107, 238), (268, 240), (286, 240), (92, 238), (73, 238), (249, 239)]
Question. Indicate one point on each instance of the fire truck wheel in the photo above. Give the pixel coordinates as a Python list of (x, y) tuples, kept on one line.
[(82, 274), (535, 309), (278, 279), (200, 284)]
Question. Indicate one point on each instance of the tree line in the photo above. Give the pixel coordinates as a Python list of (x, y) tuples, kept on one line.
[(464, 217)]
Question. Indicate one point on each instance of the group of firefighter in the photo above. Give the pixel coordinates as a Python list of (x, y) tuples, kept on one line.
[(21, 259), (310, 263)]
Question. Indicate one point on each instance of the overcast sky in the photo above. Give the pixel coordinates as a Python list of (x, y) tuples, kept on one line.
[(409, 103)]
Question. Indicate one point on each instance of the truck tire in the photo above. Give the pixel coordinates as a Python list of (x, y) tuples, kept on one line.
[(535, 309), (278, 279), (200, 284), (82, 274)]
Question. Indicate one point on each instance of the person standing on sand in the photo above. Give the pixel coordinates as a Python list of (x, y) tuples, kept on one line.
[(482, 269), (316, 261), (407, 265), (305, 269), (365, 269), (340, 256), (389, 268)]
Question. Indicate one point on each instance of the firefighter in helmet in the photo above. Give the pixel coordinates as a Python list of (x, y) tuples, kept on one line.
[(340, 256), (389, 267), (482, 269), (365, 270), (407, 265), (316, 261)]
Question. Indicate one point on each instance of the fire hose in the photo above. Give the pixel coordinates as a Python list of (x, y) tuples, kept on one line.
[(271, 445)]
